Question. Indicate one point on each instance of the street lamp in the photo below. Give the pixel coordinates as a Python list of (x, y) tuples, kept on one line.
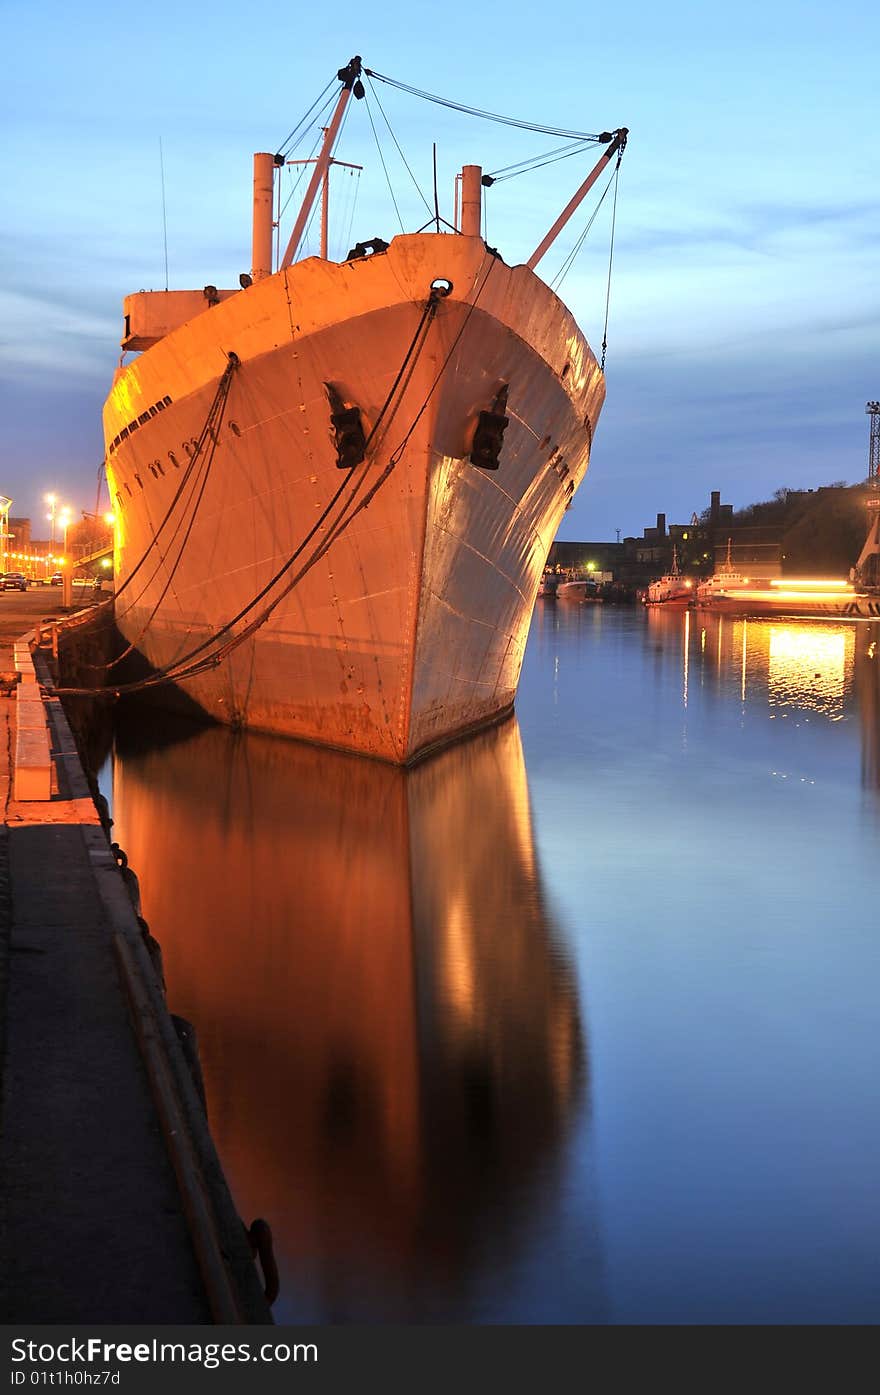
[(64, 518), (52, 501)]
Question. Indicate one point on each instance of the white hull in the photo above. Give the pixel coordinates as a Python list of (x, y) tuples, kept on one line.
[(719, 585), (411, 628), (576, 591), (664, 592)]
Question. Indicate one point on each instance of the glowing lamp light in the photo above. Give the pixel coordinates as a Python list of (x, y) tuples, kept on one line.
[(105, 562), (110, 519), (810, 583)]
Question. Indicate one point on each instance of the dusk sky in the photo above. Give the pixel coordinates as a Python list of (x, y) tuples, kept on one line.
[(745, 304)]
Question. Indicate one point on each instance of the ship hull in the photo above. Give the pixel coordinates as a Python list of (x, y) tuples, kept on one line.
[(396, 596)]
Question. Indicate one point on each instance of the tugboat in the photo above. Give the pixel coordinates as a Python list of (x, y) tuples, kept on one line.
[(726, 578), (673, 589)]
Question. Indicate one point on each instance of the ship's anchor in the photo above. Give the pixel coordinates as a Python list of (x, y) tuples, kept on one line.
[(351, 441), (489, 433)]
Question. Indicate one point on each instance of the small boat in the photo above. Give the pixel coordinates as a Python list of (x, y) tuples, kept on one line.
[(578, 588), (671, 589), (725, 579)]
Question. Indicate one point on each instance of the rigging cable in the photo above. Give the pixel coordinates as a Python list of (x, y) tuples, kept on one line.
[(208, 433), (485, 115), (537, 162), (222, 389), (356, 176), (212, 423), (296, 180), (215, 435), (610, 259), (286, 142), (384, 166), (569, 260), (400, 151)]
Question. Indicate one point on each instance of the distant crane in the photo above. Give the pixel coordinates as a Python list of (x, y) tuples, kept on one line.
[(867, 569), (873, 410)]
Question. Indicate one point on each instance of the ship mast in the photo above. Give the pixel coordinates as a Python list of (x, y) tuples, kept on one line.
[(350, 77), (325, 188)]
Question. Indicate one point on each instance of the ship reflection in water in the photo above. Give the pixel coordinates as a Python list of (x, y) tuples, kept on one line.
[(388, 1020)]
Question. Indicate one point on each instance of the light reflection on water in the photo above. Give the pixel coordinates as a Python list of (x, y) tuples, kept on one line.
[(708, 820), (593, 1045)]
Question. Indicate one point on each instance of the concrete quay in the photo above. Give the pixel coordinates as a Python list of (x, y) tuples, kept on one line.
[(113, 1206)]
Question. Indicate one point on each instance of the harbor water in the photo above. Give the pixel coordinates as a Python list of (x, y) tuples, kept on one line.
[(576, 1022)]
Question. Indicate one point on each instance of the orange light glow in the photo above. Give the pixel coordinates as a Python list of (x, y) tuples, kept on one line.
[(798, 595), (811, 583)]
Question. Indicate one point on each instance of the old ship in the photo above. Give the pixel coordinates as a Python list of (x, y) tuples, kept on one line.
[(336, 486)]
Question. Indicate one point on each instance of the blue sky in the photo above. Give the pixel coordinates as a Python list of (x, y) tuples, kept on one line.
[(745, 307)]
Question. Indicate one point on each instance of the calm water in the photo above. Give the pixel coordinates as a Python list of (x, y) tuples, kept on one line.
[(577, 1022)]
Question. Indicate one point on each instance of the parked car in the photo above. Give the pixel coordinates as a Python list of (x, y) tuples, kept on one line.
[(56, 579), (14, 581)]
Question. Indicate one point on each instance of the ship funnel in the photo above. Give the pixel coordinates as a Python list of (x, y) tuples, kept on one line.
[(264, 171), (471, 195)]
